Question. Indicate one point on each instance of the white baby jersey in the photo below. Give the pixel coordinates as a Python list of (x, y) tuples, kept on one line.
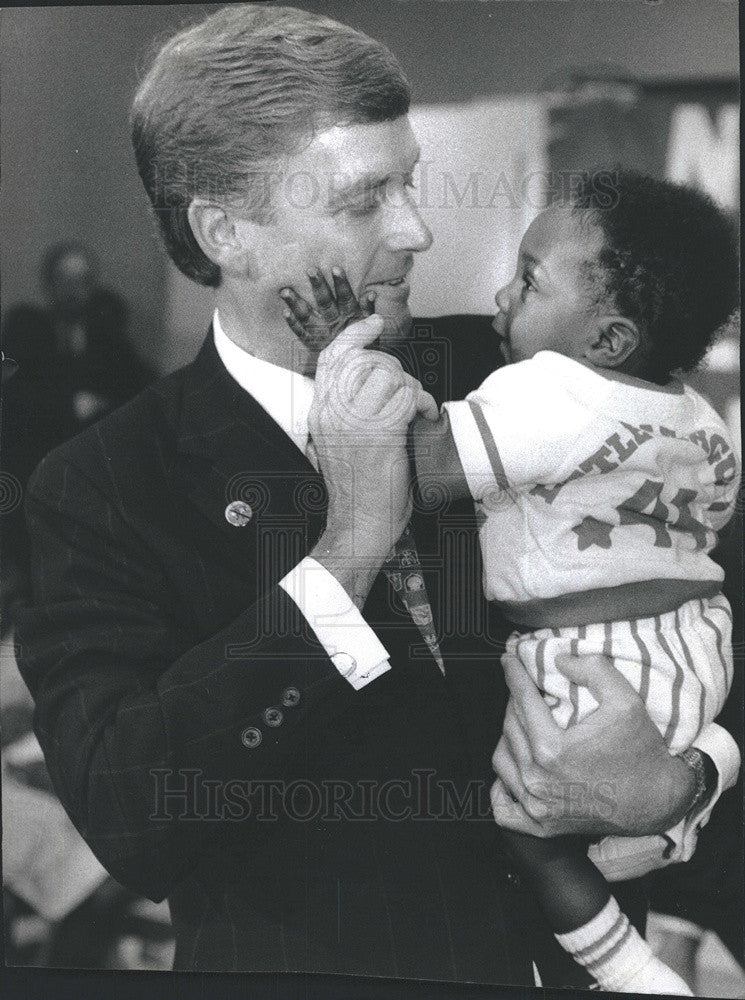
[(584, 482)]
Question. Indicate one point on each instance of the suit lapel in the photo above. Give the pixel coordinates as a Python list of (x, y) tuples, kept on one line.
[(230, 450)]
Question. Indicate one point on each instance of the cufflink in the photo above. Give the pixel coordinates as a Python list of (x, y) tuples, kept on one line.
[(344, 663), (238, 513)]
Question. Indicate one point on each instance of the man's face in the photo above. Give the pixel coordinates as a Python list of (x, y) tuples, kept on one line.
[(547, 306), (346, 201)]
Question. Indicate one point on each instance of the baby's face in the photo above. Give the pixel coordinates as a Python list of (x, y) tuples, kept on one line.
[(547, 306)]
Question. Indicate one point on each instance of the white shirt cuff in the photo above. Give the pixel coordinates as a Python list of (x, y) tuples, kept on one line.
[(351, 644)]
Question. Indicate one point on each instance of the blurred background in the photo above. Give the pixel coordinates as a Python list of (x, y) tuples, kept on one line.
[(511, 99), (498, 96)]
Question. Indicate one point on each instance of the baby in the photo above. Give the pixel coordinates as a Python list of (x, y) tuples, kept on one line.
[(600, 482)]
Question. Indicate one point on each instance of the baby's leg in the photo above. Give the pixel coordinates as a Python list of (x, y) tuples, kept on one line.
[(586, 918), (568, 886)]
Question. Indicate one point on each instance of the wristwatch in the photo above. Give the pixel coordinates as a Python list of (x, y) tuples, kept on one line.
[(705, 776)]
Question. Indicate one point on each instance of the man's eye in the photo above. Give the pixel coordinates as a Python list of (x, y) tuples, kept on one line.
[(373, 199), (528, 284), (366, 209), (364, 206)]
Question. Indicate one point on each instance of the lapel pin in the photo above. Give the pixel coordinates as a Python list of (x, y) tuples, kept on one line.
[(238, 513)]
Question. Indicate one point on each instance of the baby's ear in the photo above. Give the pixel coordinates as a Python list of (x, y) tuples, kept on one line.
[(615, 340)]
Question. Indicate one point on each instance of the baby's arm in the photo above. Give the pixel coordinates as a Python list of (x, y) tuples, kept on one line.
[(436, 457)]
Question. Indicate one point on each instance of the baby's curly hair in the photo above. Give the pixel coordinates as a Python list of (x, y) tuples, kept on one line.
[(669, 263)]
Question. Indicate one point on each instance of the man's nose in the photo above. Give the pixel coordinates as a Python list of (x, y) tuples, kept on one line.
[(406, 228)]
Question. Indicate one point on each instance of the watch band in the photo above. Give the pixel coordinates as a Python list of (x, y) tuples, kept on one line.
[(695, 760)]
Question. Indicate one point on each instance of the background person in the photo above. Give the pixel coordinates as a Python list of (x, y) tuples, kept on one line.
[(77, 364)]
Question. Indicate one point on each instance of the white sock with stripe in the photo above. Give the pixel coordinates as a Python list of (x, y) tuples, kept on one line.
[(617, 956)]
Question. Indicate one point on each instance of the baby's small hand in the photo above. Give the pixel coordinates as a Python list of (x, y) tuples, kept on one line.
[(317, 326)]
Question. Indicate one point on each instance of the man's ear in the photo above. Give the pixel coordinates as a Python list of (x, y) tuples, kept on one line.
[(616, 340), (218, 236)]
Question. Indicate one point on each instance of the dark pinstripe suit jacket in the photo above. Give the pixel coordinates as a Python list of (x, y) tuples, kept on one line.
[(156, 642)]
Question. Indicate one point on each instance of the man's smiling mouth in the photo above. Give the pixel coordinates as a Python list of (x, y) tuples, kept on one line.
[(394, 280), (390, 282)]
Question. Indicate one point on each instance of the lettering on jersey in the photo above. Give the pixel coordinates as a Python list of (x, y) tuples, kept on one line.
[(599, 460), (617, 449), (718, 453)]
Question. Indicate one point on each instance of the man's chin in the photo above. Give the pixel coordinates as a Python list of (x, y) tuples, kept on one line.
[(393, 297), (394, 333), (392, 303), (397, 324)]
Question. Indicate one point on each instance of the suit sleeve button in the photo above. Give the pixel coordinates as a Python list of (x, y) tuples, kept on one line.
[(290, 697), (251, 737), (273, 717)]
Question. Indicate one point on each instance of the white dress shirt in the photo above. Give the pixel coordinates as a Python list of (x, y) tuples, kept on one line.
[(353, 647), (286, 396)]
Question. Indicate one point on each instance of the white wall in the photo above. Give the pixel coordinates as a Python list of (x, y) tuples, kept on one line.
[(480, 185)]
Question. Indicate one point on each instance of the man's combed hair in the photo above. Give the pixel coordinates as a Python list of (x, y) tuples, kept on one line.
[(669, 263), (226, 99)]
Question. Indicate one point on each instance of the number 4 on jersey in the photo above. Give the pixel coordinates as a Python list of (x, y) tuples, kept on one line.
[(636, 510)]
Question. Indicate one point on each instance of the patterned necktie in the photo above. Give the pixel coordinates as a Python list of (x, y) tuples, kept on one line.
[(404, 572)]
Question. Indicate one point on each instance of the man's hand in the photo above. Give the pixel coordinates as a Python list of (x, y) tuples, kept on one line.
[(363, 405), (612, 773)]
